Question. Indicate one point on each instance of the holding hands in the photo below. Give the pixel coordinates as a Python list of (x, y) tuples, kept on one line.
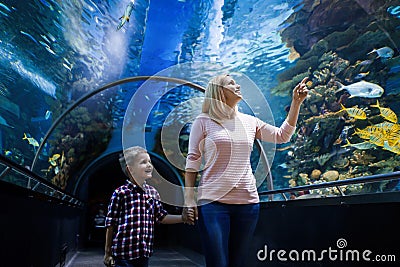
[(189, 214)]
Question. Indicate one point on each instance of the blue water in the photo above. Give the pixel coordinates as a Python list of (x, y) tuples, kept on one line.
[(53, 52)]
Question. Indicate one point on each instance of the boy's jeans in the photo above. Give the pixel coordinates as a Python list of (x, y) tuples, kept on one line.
[(141, 262)]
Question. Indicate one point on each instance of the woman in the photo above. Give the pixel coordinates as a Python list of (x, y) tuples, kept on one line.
[(220, 143)]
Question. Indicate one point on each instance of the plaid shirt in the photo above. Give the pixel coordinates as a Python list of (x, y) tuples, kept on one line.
[(133, 212)]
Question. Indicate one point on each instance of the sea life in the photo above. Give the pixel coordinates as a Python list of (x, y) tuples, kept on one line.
[(383, 52), (322, 159), (42, 118), (48, 114), (394, 149), (362, 146), (330, 176), (393, 138), (4, 122), (53, 159), (362, 89), (32, 141), (361, 75), (285, 148), (364, 62), (387, 126), (394, 10), (387, 113), (354, 112), (341, 163), (377, 140), (7, 153), (315, 174), (127, 14)]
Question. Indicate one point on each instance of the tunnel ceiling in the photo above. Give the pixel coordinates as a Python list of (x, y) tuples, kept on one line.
[(54, 52)]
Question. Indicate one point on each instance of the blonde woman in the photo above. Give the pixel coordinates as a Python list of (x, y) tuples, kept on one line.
[(220, 143)]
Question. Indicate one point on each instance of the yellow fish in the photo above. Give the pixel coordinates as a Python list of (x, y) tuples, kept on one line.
[(394, 138), (362, 146), (394, 149), (377, 140), (388, 126), (354, 112), (32, 141), (363, 134), (53, 159), (386, 113)]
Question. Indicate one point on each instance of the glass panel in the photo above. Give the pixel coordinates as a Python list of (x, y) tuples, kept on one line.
[(16, 178), (81, 136), (54, 52)]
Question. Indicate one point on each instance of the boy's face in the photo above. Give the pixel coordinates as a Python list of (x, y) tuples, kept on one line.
[(141, 169)]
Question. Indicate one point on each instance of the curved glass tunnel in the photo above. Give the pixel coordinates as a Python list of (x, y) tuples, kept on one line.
[(75, 91)]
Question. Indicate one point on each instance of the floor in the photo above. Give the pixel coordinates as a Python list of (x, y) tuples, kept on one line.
[(163, 257)]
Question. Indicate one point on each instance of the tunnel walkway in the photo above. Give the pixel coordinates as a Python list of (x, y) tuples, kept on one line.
[(163, 257)]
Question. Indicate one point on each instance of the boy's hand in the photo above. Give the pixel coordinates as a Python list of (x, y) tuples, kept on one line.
[(108, 261)]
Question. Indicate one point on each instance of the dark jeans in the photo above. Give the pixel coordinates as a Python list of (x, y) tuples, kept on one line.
[(140, 262), (226, 231)]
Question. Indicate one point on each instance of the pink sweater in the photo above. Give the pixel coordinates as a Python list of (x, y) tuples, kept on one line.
[(222, 152)]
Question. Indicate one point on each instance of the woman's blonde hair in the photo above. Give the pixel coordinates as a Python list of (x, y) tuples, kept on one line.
[(214, 100), (129, 156)]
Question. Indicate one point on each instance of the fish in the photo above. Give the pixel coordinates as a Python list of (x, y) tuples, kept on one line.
[(53, 159), (30, 36), (126, 16), (44, 118), (388, 126), (383, 52), (394, 10), (362, 146), (386, 113), (32, 141), (5, 7), (394, 149), (48, 114), (361, 75), (393, 138), (4, 123), (362, 89), (8, 153), (377, 140), (354, 112), (364, 62)]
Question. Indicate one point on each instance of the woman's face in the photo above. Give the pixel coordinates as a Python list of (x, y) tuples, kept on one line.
[(142, 168), (231, 91)]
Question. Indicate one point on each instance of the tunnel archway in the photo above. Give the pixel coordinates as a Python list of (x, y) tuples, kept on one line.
[(102, 177)]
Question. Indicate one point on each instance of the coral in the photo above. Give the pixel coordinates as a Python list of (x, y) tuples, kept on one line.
[(361, 158), (315, 174), (284, 88), (330, 176)]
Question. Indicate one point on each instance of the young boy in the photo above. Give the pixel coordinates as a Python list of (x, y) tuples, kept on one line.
[(134, 209)]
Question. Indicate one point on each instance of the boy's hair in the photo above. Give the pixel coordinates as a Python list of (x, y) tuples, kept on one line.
[(129, 156), (214, 100)]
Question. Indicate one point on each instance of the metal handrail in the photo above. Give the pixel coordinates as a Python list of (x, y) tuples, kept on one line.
[(134, 79), (359, 180), (55, 193), (98, 90)]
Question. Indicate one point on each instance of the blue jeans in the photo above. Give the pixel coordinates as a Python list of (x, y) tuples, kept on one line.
[(140, 262), (226, 231)]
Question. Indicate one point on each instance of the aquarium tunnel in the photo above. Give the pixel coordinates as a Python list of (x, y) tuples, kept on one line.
[(83, 80)]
